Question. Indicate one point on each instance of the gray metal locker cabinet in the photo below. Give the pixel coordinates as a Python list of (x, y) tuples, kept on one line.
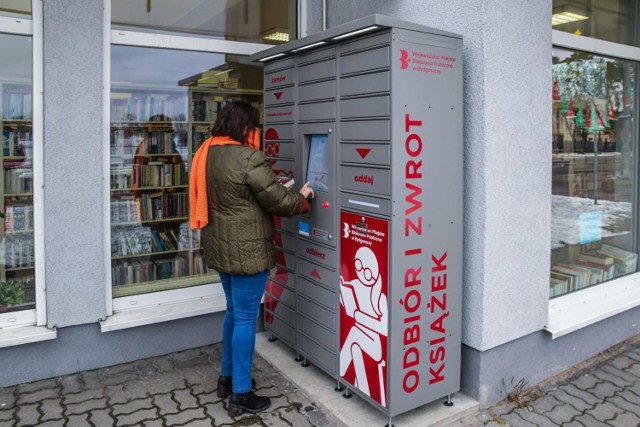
[(369, 284)]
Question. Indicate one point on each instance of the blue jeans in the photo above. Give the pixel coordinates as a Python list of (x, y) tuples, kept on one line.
[(243, 294)]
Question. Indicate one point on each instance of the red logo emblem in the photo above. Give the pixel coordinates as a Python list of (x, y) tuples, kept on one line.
[(404, 59)]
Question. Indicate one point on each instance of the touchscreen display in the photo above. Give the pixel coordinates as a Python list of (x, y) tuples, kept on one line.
[(318, 164)]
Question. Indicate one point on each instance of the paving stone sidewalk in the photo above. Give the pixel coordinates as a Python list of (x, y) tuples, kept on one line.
[(179, 390), (173, 390), (602, 391)]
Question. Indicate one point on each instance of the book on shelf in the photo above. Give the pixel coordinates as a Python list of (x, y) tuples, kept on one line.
[(582, 275), (625, 261), (605, 272), (596, 258)]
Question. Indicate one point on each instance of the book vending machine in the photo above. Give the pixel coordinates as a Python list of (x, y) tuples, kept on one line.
[(368, 286)]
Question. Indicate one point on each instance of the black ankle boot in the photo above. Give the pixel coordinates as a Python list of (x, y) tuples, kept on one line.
[(224, 386), (247, 402)]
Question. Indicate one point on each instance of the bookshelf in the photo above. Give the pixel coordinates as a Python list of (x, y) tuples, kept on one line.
[(154, 135), (17, 238)]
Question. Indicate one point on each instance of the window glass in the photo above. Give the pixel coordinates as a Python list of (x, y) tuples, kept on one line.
[(593, 164), (15, 7), (163, 105), (611, 20), (17, 279), (256, 21)]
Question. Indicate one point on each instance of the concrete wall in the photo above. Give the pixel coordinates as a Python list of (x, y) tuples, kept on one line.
[(84, 347), (73, 152), (507, 75)]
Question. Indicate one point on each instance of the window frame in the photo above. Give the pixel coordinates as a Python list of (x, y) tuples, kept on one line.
[(30, 325), (136, 310), (573, 311)]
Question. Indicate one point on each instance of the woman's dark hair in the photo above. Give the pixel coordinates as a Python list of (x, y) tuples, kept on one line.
[(236, 120)]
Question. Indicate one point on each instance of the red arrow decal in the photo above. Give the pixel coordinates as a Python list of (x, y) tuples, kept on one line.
[(278, 94), (315, 274), (364, 152)]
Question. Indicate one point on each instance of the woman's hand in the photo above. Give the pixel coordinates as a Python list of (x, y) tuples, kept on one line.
[(307, 191)]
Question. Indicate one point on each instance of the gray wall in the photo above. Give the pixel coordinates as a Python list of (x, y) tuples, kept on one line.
[(507, 88), (73, 152), (84, 347)]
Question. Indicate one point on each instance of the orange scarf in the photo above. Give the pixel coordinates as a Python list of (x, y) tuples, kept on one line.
[(199, 209)]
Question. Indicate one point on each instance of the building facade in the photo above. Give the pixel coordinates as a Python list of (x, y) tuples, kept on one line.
[(104, 103)]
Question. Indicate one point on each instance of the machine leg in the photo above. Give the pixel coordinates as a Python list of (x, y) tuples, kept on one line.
[(390, 423), (339, 387), (273, 338), (347, 394), (298, 358), (305, 363), (448, 402)]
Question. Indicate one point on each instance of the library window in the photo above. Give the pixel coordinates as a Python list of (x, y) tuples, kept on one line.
[(254, 21), (610, 20), (17, 274), (163, 104), (594, 146)]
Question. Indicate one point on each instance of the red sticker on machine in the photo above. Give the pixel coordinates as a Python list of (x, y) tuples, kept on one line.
[(364, 317)]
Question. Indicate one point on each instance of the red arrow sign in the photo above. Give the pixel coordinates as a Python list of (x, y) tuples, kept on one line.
[(278, 94), (315, 274), (364, 152)]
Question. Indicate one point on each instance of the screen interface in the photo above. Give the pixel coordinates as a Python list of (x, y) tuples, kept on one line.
[(318, 164)]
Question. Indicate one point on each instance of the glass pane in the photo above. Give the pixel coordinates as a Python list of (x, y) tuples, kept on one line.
[(163, 105), (17, 279), (611, 20), (593, 167), (256, 21), (15, 7)]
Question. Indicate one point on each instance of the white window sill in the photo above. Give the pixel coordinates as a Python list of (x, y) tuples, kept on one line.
[(25, 334), (140, 316), (574, 311)]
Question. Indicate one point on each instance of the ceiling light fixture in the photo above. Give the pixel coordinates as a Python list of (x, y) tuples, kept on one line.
[(566, 17), (276, 35)]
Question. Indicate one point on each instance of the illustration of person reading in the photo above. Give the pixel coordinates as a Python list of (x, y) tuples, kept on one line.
[(363, 300)]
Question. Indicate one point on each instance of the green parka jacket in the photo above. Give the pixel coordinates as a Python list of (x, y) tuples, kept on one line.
[(242, 197)]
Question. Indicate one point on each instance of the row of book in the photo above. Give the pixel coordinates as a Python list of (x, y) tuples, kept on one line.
[(148, 108), (141, 141), (149, 207), (163, 206), (17, 105), (128, 272), (205, 110), (18, 218), (16, 143), (18, 251), (150, 175), (18, 180), (144, 241), (159, 174), (590, 268)]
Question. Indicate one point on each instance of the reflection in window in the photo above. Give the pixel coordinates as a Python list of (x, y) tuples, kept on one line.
[(593, 168), (611, 20), (256, 21), (15, 7), (17, 274), (162, 108)]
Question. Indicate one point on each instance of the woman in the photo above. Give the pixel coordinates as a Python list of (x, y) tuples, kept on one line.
[(234, 194)]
